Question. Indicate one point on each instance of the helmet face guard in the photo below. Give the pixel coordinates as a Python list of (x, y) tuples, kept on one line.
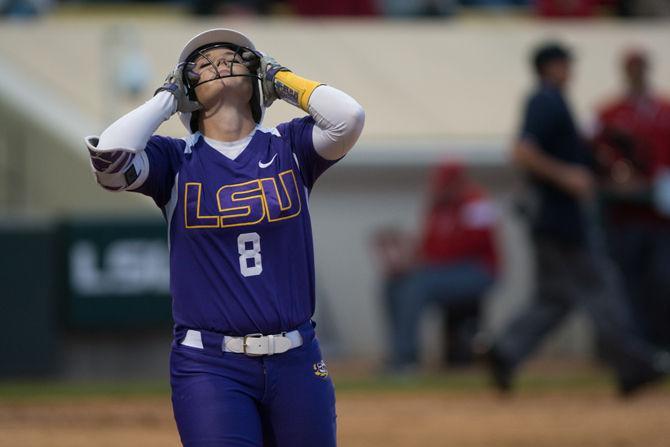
[(244, 53), (241, 56)]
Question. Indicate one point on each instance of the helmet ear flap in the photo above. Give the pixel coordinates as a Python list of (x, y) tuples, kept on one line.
[(190, 92), (256, 101), (188, 79), (195, 116)]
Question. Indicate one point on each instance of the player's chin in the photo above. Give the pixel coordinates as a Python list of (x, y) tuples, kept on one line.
[(224, 91), (235, 82), (209, 89), (237, 87)]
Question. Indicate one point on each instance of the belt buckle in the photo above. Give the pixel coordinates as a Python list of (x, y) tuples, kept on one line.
[(244, 344)]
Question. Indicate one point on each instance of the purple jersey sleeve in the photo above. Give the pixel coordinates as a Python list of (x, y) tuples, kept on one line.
[(165, 157), (298, 132)]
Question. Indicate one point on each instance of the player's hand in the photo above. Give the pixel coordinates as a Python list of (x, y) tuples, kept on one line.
[(579, 182), (174, 83), (267, 70)]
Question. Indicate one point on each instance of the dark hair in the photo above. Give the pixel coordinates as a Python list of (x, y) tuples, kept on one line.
[(547, 53)]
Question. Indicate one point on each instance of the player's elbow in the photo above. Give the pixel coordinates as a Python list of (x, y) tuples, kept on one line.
[(339, 122), (115, 170), (357, 121), (352, 126)]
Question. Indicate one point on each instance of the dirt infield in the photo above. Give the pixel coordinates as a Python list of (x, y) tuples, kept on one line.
[(370, 418)]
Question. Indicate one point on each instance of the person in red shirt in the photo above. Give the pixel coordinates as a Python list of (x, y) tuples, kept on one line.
[(455, 264), (460, 222), (632, 148)]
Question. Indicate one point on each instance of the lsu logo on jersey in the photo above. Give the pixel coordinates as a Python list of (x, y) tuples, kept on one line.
[(267, 199), (320, 369)]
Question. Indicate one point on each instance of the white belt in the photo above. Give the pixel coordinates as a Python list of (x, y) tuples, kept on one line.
[(252, 344)]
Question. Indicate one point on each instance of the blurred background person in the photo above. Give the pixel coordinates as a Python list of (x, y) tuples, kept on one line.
[(570, 270), (632, 148), (454, 264)]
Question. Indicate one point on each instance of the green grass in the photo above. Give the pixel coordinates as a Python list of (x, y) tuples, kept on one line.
[(440, 383), (56, 390), (532, 382), (473, 382)]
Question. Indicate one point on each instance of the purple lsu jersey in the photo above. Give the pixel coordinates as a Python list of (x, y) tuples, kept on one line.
[(241, 252)]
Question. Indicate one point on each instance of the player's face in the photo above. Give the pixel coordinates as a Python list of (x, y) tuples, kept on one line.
[(213, 69)]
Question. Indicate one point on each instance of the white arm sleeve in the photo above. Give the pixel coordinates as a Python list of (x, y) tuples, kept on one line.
[(132, 131), (339, 121), (117, 156)]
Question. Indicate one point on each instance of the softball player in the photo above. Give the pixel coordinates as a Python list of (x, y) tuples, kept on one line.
[(246, 369)]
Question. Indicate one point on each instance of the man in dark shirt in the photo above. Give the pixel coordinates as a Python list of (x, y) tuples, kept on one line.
[(570, 269)]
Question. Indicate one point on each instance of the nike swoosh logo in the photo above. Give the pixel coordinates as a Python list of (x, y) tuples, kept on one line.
[(265, 165)]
